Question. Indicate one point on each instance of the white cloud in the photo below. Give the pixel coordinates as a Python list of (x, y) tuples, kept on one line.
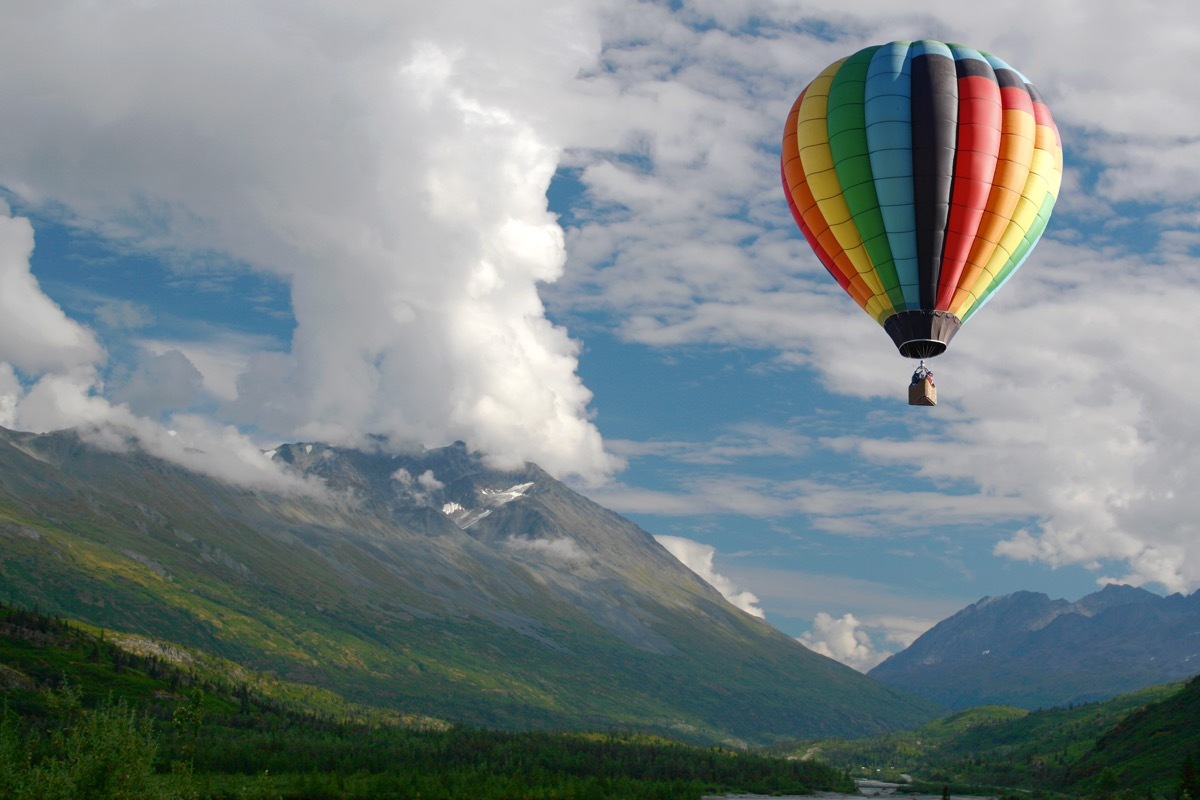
[(421, 488), (429, 481), (35, 335), (197, 443), (561, 549), (898, 630), (390, 162), (10, 395), (221, 358), (1079, 415), (891, 615), (62, 358), (842, 640), (855, 642), (63, 400), (698, 558)]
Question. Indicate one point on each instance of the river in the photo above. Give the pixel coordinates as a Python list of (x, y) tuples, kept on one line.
[(865, 789)]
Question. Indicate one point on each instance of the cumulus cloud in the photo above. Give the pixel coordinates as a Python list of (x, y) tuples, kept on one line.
[(862, 644), (62, 387), (698, 558), (390, 162), (842, 640), (35, 334), (231, 366)]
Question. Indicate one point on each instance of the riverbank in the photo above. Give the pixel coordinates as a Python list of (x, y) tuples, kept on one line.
[(832, 796), (865, 789)]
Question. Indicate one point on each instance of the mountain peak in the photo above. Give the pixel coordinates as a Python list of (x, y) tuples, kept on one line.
[(1027, 650), (1113, 595)]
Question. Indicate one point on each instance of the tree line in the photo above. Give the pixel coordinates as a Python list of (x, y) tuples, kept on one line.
[(98, 722)]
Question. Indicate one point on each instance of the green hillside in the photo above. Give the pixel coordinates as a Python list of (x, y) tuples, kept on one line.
[(370, 590), (1147, 747), (200, 726), (1133, 746), (82, 716)]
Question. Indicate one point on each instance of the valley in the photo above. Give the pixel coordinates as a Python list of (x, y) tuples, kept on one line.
[(192, 725)]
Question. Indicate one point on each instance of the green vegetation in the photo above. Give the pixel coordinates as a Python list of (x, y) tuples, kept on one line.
[(94, 714), (85, 718), (1132, 746), (387, 603), (108, 752), (1149, 747)]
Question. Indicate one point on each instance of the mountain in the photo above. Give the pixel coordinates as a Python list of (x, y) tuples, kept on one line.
[(424, 582), (1027, 650)]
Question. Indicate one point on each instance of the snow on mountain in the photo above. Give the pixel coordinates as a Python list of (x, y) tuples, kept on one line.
[(490, 500)]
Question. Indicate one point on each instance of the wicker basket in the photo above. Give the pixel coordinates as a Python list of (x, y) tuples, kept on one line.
[(922, 393)]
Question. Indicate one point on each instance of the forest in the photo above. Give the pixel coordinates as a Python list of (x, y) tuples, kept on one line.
[(1143, 745), (83, 717)]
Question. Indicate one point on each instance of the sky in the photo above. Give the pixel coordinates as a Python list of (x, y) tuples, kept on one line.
[(556, 232)]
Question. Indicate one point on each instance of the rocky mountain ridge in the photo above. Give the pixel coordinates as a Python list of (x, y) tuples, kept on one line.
[(1027, 650)]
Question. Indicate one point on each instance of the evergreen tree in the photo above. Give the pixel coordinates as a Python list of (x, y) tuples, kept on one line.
[(1189, 777), (106, 754), (1108, 784)]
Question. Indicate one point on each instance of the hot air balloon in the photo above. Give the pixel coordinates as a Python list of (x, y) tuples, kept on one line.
[(922, 174)]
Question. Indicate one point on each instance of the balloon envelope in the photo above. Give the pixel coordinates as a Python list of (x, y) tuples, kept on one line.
[(922, 174)]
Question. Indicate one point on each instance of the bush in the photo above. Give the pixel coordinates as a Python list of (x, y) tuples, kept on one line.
[(107, 753)]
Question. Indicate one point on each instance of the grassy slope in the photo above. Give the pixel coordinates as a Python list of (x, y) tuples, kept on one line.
[(423, 666), (172, 555), (268, 629), (1147, 747), (314, 744), (1142, 737)]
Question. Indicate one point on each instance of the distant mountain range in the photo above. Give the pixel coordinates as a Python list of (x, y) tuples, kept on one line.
[(1027, 650), (424, 582)]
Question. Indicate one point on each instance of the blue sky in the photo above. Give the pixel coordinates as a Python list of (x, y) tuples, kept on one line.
[(559, 236)]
